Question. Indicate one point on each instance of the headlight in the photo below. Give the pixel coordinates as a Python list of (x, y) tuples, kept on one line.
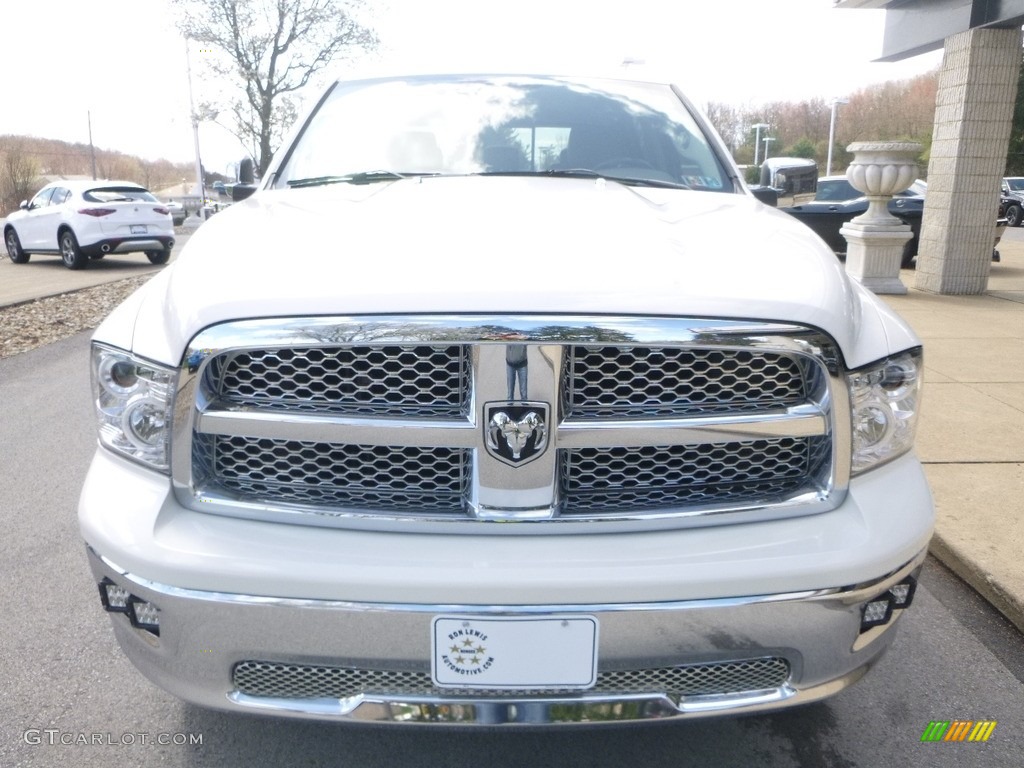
[(884, 399), (134, 400)]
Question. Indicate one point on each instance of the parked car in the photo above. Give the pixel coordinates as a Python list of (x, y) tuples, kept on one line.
[(1013, 192), (543, 436), (83, 220), (177, 212), (786, 181), (837, 201)]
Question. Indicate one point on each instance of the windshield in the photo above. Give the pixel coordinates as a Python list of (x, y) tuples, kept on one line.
[(114, 194), (382, 130), (841, 190), (836, 190)]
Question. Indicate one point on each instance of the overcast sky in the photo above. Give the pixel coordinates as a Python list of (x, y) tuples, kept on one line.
[(123, 62)]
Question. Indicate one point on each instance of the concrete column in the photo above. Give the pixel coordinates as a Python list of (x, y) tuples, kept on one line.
[(973, 116)]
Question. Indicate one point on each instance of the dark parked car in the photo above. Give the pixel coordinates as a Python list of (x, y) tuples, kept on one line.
[(837, 202), (1013, 203)]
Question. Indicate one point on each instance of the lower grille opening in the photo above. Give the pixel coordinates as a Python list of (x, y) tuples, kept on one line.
[(300, 681)]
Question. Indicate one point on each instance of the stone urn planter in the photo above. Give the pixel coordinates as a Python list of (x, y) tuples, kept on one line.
[(876, 238)]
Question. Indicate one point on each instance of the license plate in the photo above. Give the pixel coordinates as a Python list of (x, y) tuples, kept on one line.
[(514, 653), (138, 229)]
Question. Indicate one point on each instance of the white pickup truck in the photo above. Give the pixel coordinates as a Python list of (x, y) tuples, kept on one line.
[(502, 400)]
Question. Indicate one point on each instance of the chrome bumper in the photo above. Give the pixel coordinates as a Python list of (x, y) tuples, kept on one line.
[(204, 635)]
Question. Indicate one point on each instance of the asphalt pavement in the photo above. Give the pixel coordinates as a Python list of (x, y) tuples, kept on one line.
[(47, 276)]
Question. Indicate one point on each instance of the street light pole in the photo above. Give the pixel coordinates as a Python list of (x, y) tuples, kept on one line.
[(767, 141), (757, 138), (832, 132), (195, 134)]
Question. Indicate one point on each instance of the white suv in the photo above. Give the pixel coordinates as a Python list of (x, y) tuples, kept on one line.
[(82, 220)]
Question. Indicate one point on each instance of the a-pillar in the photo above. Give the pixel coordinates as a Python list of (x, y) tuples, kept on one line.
[(973, 115)]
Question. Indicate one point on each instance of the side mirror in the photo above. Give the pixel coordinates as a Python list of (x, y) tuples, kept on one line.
[(241, 191), (246, 174), (23, 205), (246, 183), (767, 195)]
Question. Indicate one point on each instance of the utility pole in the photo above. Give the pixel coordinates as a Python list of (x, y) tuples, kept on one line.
[(92, 149)]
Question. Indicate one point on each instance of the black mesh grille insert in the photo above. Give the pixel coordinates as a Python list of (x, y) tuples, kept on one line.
[(328, 475), (378, 381), (621, 479), (300, 681), (663, 382)]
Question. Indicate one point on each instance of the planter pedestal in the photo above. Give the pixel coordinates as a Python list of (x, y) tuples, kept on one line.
[(874, 255), (876, 238)]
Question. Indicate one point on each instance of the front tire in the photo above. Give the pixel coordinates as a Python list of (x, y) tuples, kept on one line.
[(158, 257), (1014, 216), (14, 250), (70, 253)]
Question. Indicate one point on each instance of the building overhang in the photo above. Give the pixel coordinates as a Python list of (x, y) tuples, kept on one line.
[(918, 26)]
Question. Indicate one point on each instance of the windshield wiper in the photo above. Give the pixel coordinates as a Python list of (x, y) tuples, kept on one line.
[(587, 173), (657, 183), (364, 177), (577, 173)]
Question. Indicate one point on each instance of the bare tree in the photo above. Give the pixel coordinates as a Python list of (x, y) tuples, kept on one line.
[(272, 48), (728, 120), (19, 173), (114, 165)]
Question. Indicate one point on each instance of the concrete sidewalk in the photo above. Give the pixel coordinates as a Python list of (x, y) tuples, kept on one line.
[(971, 433)]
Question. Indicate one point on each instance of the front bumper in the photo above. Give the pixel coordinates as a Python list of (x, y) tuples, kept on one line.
[(370, 662), (283, 602)]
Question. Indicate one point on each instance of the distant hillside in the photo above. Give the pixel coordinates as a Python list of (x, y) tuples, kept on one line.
[(26, 162)]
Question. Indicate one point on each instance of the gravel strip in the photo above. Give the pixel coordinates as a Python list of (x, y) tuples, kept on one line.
[(43, 321)]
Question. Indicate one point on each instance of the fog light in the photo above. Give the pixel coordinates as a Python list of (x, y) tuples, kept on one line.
[(115, 598), (145, 616), (902, 594), (876, 613)]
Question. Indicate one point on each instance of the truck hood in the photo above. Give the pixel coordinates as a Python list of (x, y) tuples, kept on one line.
[(505, 245)]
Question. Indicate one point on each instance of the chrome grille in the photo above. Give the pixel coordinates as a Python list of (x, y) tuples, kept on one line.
[(663, 382), (335, 476), (300, 681), (399, 424), (619, 479), (371, 381)]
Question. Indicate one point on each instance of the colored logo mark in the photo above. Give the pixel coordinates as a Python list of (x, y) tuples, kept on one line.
[(958, 730)]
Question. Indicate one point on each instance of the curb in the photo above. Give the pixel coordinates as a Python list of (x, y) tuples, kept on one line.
[(985, 584)]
